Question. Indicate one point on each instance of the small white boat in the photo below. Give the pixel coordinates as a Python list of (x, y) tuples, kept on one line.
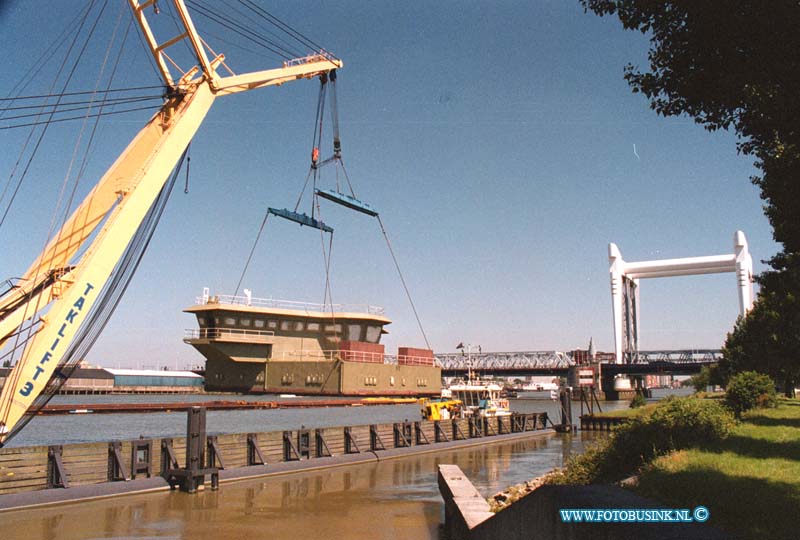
[(622, 383), (482, 399), (287, 395)]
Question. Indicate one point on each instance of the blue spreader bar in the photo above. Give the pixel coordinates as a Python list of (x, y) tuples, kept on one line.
[(345, 200), (302, 219)]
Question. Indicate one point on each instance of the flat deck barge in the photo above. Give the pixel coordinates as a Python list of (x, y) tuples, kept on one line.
[(92, 408)]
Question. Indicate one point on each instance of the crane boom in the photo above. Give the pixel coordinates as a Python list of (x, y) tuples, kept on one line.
[(117, 204)]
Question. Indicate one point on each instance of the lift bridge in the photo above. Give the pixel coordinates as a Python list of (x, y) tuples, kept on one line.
[(527, 363)]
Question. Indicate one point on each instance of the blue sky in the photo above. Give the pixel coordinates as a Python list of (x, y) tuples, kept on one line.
[(497, 141)]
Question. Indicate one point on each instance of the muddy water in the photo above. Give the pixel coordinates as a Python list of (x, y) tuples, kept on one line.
[(78, 428), (396, 499)]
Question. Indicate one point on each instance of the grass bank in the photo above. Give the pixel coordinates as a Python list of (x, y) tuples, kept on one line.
[(749, 481)]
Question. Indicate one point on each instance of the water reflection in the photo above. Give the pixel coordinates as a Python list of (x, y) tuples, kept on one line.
[(385, 500)]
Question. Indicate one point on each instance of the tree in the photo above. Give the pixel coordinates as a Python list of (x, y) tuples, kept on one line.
[(766, 341), (748, 390), (708, 376), (733, 65)]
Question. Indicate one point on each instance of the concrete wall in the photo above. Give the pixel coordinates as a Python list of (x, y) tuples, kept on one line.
[(467, 515)]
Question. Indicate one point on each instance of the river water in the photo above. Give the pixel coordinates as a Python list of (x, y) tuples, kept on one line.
[(76, 428), (394, 499)]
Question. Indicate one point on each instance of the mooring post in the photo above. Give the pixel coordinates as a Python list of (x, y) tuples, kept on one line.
[(565, 397), (195, 439), (194, 472)]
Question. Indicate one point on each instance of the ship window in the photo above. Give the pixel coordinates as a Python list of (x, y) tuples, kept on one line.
[(272, 324), (313, 327), (333, 328), (230, 321), (244, 322), (373, 333), (391, 381), (285, 325), (201, 321), (299, 326), (354, 332), (216, 320), (258, 323)]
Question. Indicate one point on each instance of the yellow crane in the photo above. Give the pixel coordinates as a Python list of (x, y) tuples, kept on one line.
[(57, 292)]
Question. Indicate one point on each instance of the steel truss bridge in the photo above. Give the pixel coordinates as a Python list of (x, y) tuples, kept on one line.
[(525, 363)]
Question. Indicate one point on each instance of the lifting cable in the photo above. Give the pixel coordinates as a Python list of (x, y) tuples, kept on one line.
[(244, 30), (188, 164), (302, 219), (256, 25), (403, 281), (87, 151), (252, 250), (51, 114), (326, 259), (316, 142), (353, 202), (334, 196)]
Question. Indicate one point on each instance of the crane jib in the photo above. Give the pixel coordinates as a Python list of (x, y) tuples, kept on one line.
[(139, 175), (70, 323)]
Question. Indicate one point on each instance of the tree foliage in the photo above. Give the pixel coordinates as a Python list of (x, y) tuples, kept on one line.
[(748, 390), (767, 340), (734, 65), (708, 376), (638, 401)]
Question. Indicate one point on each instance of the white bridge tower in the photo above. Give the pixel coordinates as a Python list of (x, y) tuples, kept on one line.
[(625, 278)]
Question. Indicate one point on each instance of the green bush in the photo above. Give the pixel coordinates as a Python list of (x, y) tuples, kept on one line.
[(638, 401), (748, 390), (702, 380), (673, 424)]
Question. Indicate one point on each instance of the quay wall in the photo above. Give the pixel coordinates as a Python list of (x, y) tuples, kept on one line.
[(96, 468), (467, 514)]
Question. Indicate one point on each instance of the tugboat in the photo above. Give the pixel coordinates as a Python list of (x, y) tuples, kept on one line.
[(481, 399)]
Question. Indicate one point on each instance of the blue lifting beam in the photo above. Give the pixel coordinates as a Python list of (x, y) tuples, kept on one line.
[(302, 219), (345, 200)]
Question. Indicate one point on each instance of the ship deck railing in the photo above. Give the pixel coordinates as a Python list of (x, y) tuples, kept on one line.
[(333, 354), (351, 356), (227, 299), (234, 334)]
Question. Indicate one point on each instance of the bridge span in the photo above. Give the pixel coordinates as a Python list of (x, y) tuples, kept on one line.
[(529, 363)]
